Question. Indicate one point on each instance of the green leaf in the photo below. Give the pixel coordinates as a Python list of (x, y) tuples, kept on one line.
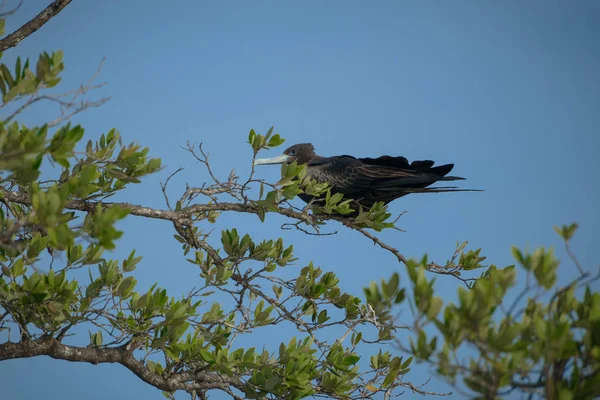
[(207, 356), (131, 262), (7, 76), (260, 211), (269, 133), (57, 57), (18, 69), (97, 339), (153, 165), (125, 288), (275, 141), (371, 388), (434, 308), (251, 137), (389, 379), (350, 360), (566, 232)]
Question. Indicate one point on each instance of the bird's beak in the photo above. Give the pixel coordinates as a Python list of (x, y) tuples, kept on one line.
[(275, 160)]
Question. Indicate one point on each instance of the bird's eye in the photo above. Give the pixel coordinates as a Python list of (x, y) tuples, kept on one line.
[(293, 151)]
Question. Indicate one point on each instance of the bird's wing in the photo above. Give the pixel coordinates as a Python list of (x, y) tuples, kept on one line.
[(381, 177), (351, 175)]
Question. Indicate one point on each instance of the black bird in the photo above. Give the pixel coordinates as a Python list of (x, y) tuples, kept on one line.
[(368, 180)]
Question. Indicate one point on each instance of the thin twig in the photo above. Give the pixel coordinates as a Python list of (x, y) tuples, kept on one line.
[(9, 12), (378, 242), (68, 107), (164, 187), (573, 258), (297, 225)]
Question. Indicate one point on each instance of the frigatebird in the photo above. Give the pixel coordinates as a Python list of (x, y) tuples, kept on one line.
[(368, 180)]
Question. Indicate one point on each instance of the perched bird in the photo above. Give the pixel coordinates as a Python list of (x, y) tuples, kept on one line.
[(368, 180)]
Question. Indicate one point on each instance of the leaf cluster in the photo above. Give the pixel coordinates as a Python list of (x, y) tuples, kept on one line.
[(547, 344)]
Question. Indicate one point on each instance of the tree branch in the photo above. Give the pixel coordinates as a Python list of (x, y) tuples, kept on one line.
[(185, 216), (181, 217), (9, 12), (378, 242), (123, 355), (33, 25)]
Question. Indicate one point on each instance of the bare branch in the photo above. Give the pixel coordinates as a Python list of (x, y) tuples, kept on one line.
[(123, 355), (68, 107), (163, 187), (9, 12), (573, 258), (182, 217), (297, 225), (417, 389), (203, 158), (378, 242), (33, 25)]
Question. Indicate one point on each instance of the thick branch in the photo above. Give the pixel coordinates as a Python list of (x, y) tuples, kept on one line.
[(33, 25), (123, 355), (181, 217)]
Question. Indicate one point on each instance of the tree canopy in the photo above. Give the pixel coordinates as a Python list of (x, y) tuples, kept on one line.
[(57, 218)]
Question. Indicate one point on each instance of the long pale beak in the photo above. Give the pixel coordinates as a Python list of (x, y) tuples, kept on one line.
[(275, 160)]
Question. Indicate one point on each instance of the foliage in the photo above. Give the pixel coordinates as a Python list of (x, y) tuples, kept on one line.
[(53, 227), (547, 344)]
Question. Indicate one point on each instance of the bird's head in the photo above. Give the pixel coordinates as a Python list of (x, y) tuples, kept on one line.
[(301, 153)]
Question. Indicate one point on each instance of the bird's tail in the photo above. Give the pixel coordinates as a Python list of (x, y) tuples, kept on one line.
[(441, 171), (452, 178), (441, 189)]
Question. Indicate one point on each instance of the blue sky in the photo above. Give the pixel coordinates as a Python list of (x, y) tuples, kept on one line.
[(508, 91)]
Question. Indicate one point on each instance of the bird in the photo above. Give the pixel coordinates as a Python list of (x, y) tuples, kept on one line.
[(367, 181)]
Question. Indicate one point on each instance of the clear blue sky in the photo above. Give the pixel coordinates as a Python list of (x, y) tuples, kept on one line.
[(508, 91)]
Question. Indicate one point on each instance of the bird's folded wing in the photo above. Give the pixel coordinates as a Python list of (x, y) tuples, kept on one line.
[(381, 177), (357, 177)]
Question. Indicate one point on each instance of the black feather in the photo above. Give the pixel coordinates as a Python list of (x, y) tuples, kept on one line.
[(370, 180)]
